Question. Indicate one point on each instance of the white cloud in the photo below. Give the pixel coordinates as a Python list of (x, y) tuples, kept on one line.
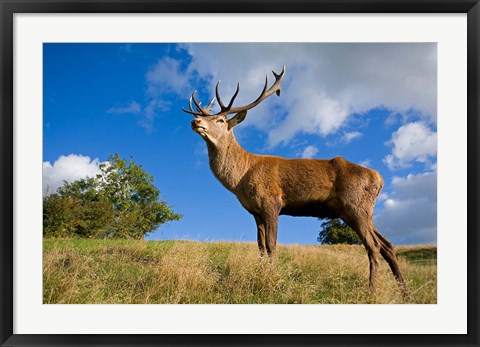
[(167, 75), (148, 115), (132, 108), (67, 168), (365, 163), (409, 214), (325, 83), (308, 152), (411, 142), (348, 137), (382, 197)]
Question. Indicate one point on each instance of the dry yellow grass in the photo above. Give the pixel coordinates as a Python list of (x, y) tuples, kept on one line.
[(148, 272)]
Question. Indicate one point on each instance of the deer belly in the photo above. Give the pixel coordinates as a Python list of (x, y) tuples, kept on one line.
[(308, 209)]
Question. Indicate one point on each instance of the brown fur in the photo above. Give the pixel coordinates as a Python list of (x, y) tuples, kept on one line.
[(269, 186)]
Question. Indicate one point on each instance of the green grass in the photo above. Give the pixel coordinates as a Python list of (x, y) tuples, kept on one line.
[(157, 272)]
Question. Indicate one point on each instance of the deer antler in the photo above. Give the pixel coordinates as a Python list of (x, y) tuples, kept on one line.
[(226, 110), (201, 112), (275, 88)]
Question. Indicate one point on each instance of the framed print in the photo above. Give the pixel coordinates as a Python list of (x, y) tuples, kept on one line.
[(119, 226)]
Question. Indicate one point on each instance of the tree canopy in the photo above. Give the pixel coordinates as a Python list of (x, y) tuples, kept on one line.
[(335, 231), (120, 202)]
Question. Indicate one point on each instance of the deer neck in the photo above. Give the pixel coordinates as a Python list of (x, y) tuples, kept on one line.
[(229, 162)]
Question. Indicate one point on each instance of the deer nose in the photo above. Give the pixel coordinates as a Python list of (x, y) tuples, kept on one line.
[(196, 121)]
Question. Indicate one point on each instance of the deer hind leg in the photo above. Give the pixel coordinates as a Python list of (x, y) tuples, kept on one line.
[(373, 251), (364, 228), (388, 253), (262, 247)]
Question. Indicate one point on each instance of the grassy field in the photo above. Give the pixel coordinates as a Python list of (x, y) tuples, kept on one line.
[(157, 272)]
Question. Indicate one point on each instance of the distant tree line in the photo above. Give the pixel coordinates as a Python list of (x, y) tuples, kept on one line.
[(120, 202)]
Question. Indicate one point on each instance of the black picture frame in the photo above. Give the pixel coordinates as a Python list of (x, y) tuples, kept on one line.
[(10, 7)]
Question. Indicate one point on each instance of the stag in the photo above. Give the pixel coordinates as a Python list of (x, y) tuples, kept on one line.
[(269, 186)]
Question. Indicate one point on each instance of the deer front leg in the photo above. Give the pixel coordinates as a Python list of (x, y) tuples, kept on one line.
[(271, 236), (271, 228), (260, 235)]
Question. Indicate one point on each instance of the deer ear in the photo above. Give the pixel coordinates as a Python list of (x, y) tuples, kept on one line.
[(238, 118)]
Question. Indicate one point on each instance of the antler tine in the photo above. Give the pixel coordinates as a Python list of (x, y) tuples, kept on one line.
[(278, 78), (233, 97), (192, 112), (203, 112), (209, 106), (197, 104), (222, 106), (264, 88), (191, 109), (199, 113)]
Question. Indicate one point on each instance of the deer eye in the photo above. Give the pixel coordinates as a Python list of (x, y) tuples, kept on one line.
[(220, 120)]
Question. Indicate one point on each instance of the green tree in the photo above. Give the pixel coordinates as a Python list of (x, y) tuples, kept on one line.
[(70, 216), (85, 189), (57, 219), (335, 231), (120, 202)]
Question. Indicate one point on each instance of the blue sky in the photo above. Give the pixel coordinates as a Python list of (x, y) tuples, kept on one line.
[(373, 104)]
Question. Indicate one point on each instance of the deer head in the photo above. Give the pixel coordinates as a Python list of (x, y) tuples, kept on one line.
[(216, 127)]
